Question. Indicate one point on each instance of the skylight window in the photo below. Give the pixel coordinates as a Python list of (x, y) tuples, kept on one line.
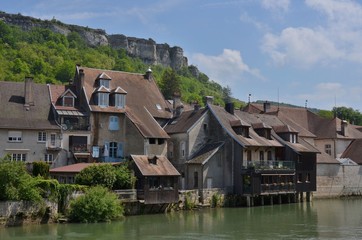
[(158, 106)]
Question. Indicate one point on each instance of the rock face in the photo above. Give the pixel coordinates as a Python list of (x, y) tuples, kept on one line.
[(147, 50)]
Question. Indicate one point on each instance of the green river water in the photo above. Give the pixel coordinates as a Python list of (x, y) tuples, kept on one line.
[(320, 219)]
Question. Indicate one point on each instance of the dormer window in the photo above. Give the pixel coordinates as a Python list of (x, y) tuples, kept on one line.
[(103, 99), (68, 101), (104, 80), (293, 138), (104, 83), (120, 100), (68, 98), (240, 128)]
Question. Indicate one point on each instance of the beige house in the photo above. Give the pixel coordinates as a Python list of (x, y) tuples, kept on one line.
[(28, 133)]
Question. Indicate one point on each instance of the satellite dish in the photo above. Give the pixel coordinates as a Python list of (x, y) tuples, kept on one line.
[(64, 127)]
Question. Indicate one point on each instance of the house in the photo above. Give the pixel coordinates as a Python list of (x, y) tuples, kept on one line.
[(27, 129), (334, 138), (66, 174), (157, 179), (73, 117), (127, 113)]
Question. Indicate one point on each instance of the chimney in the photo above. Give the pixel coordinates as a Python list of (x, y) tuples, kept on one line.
[(177, 105), (196, 106), (152, 159), (28, 91), (80, 82), (266, 106), (209, 99), (344, 131), (149, 74), (229, 107)]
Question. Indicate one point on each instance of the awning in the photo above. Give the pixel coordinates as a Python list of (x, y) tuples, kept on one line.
[(71, 113)]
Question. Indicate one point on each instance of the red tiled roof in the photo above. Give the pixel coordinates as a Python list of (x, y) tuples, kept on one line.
[(76, 168)]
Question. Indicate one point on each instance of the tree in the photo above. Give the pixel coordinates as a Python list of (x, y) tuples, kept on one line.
[(170, 83), (124, 178), (98, 204), (41, 169), (226, 92), (16, 183), (349, 114), (103, 175)]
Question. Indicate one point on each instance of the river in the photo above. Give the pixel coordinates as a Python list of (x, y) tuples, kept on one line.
[(320, 219)]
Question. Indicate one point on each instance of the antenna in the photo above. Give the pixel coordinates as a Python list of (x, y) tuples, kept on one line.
[(306, 103), (278, 99), (249, 97)]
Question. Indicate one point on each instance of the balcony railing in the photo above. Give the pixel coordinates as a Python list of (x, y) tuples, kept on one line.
[(75, 127), (278, 187), (53, 145), (80, 148), (270, 165)]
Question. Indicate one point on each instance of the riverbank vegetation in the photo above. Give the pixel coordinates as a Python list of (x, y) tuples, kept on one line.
[(98, 203)]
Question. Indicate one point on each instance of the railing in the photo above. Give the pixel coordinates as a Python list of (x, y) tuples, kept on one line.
[(80, 148), (278, 187), (270, 165), (75, 127), (53, 145)]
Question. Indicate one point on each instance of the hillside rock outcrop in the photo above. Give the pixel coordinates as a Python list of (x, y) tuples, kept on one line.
[(147, 50)]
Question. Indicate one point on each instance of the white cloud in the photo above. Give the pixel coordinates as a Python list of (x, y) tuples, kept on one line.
[(276, 5), (338, 39), (244, 17), (226, 68)]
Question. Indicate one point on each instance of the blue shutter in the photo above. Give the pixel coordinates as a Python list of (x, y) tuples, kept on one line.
[(120, 149)]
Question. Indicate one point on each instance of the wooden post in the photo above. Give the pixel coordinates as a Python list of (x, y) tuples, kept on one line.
[(262, 200)]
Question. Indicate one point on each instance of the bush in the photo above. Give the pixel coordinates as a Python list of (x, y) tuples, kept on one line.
[(41, 169), (103, 175), (96, 205), (124, 178)]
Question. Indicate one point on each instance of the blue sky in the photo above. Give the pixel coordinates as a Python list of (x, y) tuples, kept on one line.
[(285, 50)]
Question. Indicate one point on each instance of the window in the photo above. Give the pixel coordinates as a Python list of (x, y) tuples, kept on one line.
[(268, 134), (15, 136), (293, 138), (248, 155), (113, 123), (52, 139), (161, 141), (68, 101), (300, 177), (170, 150), (21, 157), (120, 100), (104, 82), (307, 178), (245, 132), (261, 156), (328, 149), (42, 136), (152, 140), (269, 156), (182, 149), (113, 149), (196, 179), (158, 106), (103, 99), (48, 158)]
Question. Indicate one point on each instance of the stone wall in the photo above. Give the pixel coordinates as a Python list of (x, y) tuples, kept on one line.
[(17, 213), (334, 180)]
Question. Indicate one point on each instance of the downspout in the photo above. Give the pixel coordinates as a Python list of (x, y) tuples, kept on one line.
[(232, 164)]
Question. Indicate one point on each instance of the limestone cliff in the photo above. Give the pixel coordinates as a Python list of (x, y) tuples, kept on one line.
[(149, 51)]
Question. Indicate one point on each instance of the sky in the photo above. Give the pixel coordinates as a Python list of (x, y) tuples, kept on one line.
[(289, 51)]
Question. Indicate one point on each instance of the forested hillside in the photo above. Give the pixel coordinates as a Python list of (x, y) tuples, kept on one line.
[(51, 58)]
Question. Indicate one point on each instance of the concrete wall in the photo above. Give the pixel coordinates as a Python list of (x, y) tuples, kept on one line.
[(335, 180)]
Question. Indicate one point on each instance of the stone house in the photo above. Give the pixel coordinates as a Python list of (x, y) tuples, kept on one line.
[(126, 113), (334, 138), (28, 131)]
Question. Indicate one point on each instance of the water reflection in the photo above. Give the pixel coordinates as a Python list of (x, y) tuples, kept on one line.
[(321, 219)]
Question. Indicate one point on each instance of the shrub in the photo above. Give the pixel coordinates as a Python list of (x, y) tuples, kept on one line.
[(124, 178), (96, 205), (103, 175), (41, 169)]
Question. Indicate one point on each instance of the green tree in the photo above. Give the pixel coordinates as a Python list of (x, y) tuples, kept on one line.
[(103, 175), (351, 115), (98, 204), (170, 83), (16, 183), (226, 91), (124, 178), (41, 169)]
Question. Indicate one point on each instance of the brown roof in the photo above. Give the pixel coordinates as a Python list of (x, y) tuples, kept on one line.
[(185, 121), (326, 159), (205, 153), (225, 119), (14, 115), (144, 101), (354, 151), (154, 166), (76, 168)]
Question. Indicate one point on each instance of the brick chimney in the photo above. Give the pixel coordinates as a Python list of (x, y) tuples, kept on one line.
[(80, 82), (209, 99), (177, 105), (266, 106), (229, 107), (28, 92)]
